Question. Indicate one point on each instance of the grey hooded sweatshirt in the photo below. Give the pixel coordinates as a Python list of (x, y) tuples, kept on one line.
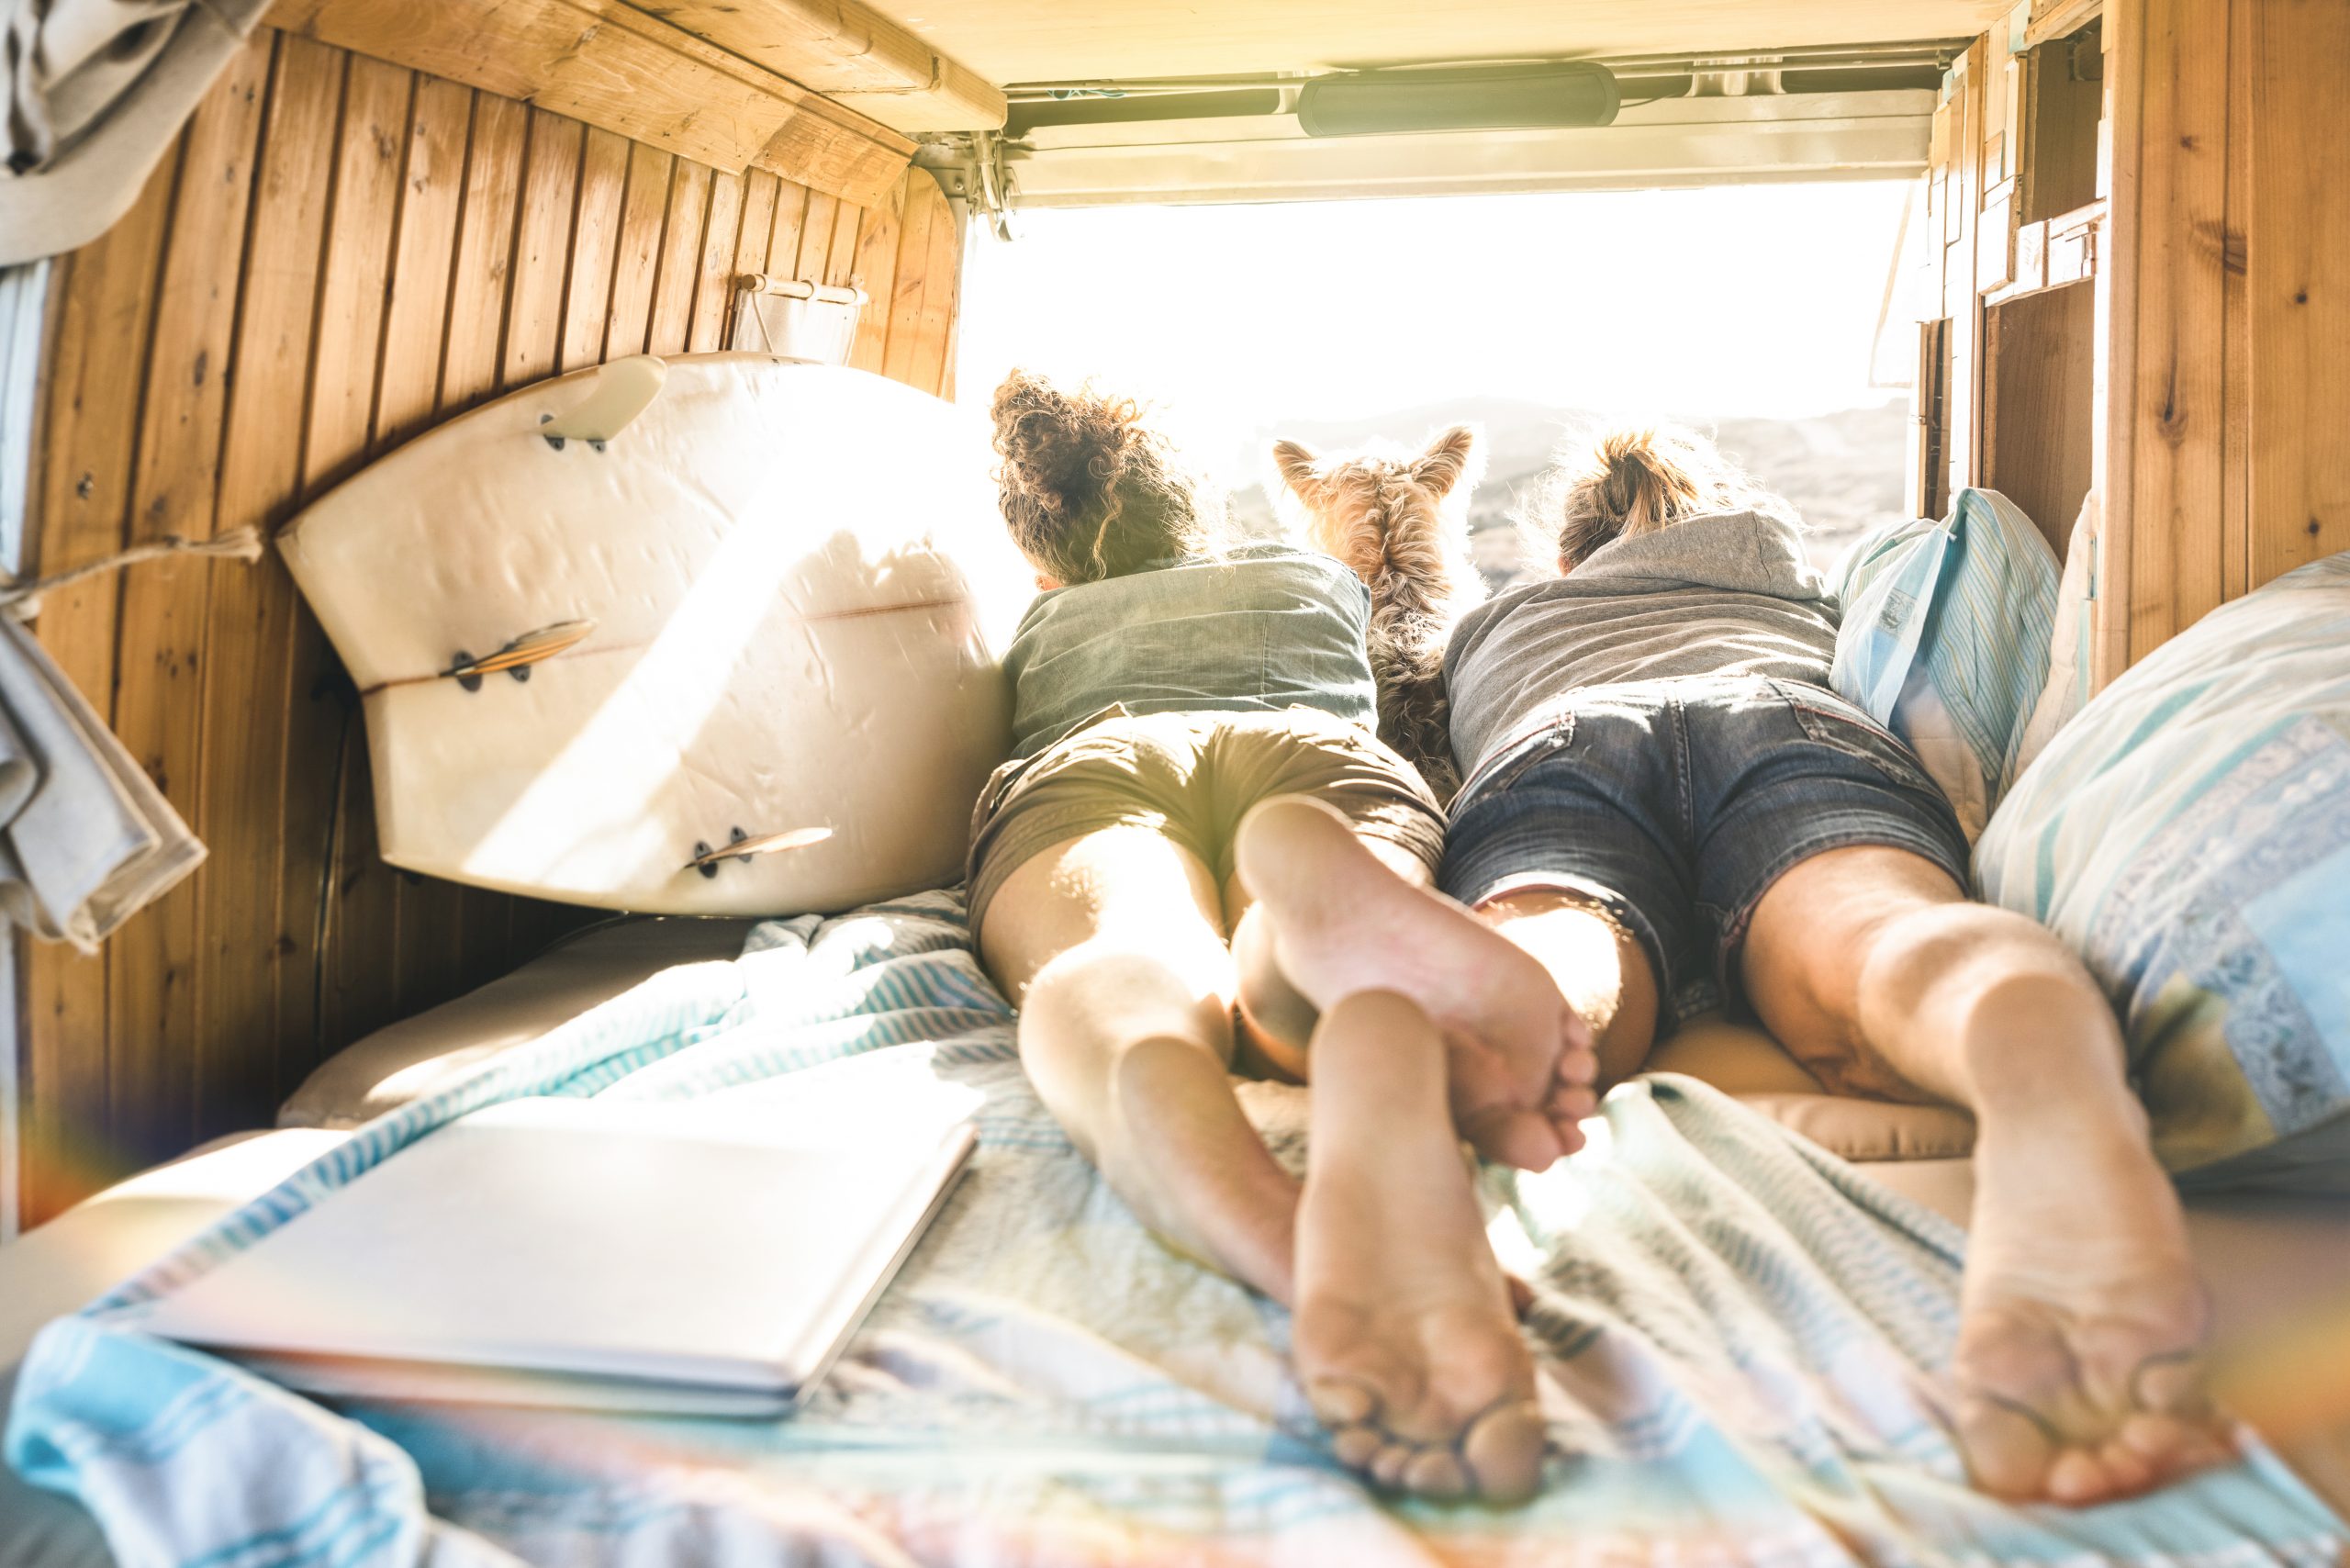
[(1721, 594)]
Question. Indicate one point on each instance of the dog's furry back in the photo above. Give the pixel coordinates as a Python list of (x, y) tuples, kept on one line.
[(1399, 522)]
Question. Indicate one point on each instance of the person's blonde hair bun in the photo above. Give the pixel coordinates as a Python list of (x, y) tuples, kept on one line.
[(1638, 479)]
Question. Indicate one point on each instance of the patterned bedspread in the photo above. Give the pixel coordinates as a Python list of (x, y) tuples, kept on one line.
[(1735, 1329)]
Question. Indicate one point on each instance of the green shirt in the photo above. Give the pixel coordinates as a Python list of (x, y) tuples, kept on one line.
[(1261, 627)]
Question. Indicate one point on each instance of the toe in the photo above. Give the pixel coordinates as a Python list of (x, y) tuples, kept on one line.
[(2077, 1477), (1525, 1139), (2007, 1450), (1356, 1447), (1435, 1472), (2127, 1471), (1340, 1402), (1502, 1451), (2171, 1384), (1387, 1466)]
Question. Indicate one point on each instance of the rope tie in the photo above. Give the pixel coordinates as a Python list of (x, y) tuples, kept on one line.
[(22, 599)]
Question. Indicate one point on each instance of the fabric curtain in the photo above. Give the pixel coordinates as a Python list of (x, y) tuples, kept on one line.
[(97, 89)]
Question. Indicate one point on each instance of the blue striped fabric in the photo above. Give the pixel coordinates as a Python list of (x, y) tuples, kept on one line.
[(1969, 605), (1733, 1330)]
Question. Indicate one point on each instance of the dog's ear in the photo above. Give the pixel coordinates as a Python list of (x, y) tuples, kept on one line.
[(1452, 457), (1299, 468)]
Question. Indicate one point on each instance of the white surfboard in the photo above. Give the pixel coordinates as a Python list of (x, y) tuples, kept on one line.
[(766, 611)]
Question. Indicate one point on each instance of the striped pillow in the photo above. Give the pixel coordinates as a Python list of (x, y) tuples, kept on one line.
[(1945, 640)]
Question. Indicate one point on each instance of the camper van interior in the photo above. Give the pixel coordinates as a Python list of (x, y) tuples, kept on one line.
[(532, 602)]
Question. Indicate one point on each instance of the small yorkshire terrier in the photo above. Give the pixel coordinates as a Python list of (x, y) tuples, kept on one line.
[(1400, 524)]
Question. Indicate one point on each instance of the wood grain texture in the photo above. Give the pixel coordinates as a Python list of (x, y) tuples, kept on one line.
[(644, 210), (595, 248), (2040, 409), (91, 419), (486, 212), (152, 1002), (337, 253), (850, 54), (714, 271), (2297, 287), (2178, 330), (549, 213), (681, 252), (609, 64)]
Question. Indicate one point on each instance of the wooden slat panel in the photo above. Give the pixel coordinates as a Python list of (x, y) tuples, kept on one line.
[(847, 51), (432, 187), (816, 236), (348, 348), (924, 204), (595, 248), (484, 251), (92, 415), (153, 1007), (759, 192), (713, 274), (929, 365), (2172, 396), (359, 985), (249, 954), (610, 65), (403, 251), (840, 258), (262, 860), (2235, 348), (2298, 287), (673, 286), (877, 273), (783, 239), (542, 249), (643, 221)]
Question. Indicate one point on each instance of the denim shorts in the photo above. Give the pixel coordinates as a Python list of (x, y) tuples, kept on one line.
[(1190, 777), (1674, 805)]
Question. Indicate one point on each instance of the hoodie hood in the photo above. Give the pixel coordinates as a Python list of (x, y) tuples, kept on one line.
[(1738, 552)]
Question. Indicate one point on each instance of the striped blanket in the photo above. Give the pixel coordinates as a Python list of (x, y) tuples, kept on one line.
[(1734, 1329)]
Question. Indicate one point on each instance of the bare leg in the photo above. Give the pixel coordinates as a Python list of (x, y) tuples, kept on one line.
[(1340, 922), (1598, 966), (1112, 947), (1276, 1020), (2079, 1363), (1406, 1340)]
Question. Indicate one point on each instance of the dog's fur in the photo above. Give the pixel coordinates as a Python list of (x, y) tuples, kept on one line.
[(1400, 523)]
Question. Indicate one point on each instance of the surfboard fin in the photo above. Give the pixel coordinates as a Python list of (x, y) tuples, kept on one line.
[(742, 847), (623, 390)]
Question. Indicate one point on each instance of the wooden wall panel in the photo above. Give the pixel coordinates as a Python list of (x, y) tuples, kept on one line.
[(337, 253), (2299, 286), (2167, 261), (2218, 263)]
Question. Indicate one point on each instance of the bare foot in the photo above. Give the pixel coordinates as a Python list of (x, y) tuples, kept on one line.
[(1521, 1063), (2079, 1371), (1406, 1337)]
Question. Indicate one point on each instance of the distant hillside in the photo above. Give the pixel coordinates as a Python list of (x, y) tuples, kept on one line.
[(1841, 471)]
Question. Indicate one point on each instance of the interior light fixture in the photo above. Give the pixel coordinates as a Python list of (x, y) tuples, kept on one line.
[(1459, 97)]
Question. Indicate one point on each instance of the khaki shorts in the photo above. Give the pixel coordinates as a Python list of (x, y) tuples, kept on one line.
[(1192, 777)]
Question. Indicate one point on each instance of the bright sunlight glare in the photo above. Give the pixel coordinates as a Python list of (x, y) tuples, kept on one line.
[(1754, 300)]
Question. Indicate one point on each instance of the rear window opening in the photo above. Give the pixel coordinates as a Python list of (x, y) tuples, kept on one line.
[(1779, 318)]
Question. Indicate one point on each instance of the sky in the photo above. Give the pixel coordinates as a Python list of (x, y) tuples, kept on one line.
[(1741, 299)]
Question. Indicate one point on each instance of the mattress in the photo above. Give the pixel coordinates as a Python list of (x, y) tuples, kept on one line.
[(2267, 1261)]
